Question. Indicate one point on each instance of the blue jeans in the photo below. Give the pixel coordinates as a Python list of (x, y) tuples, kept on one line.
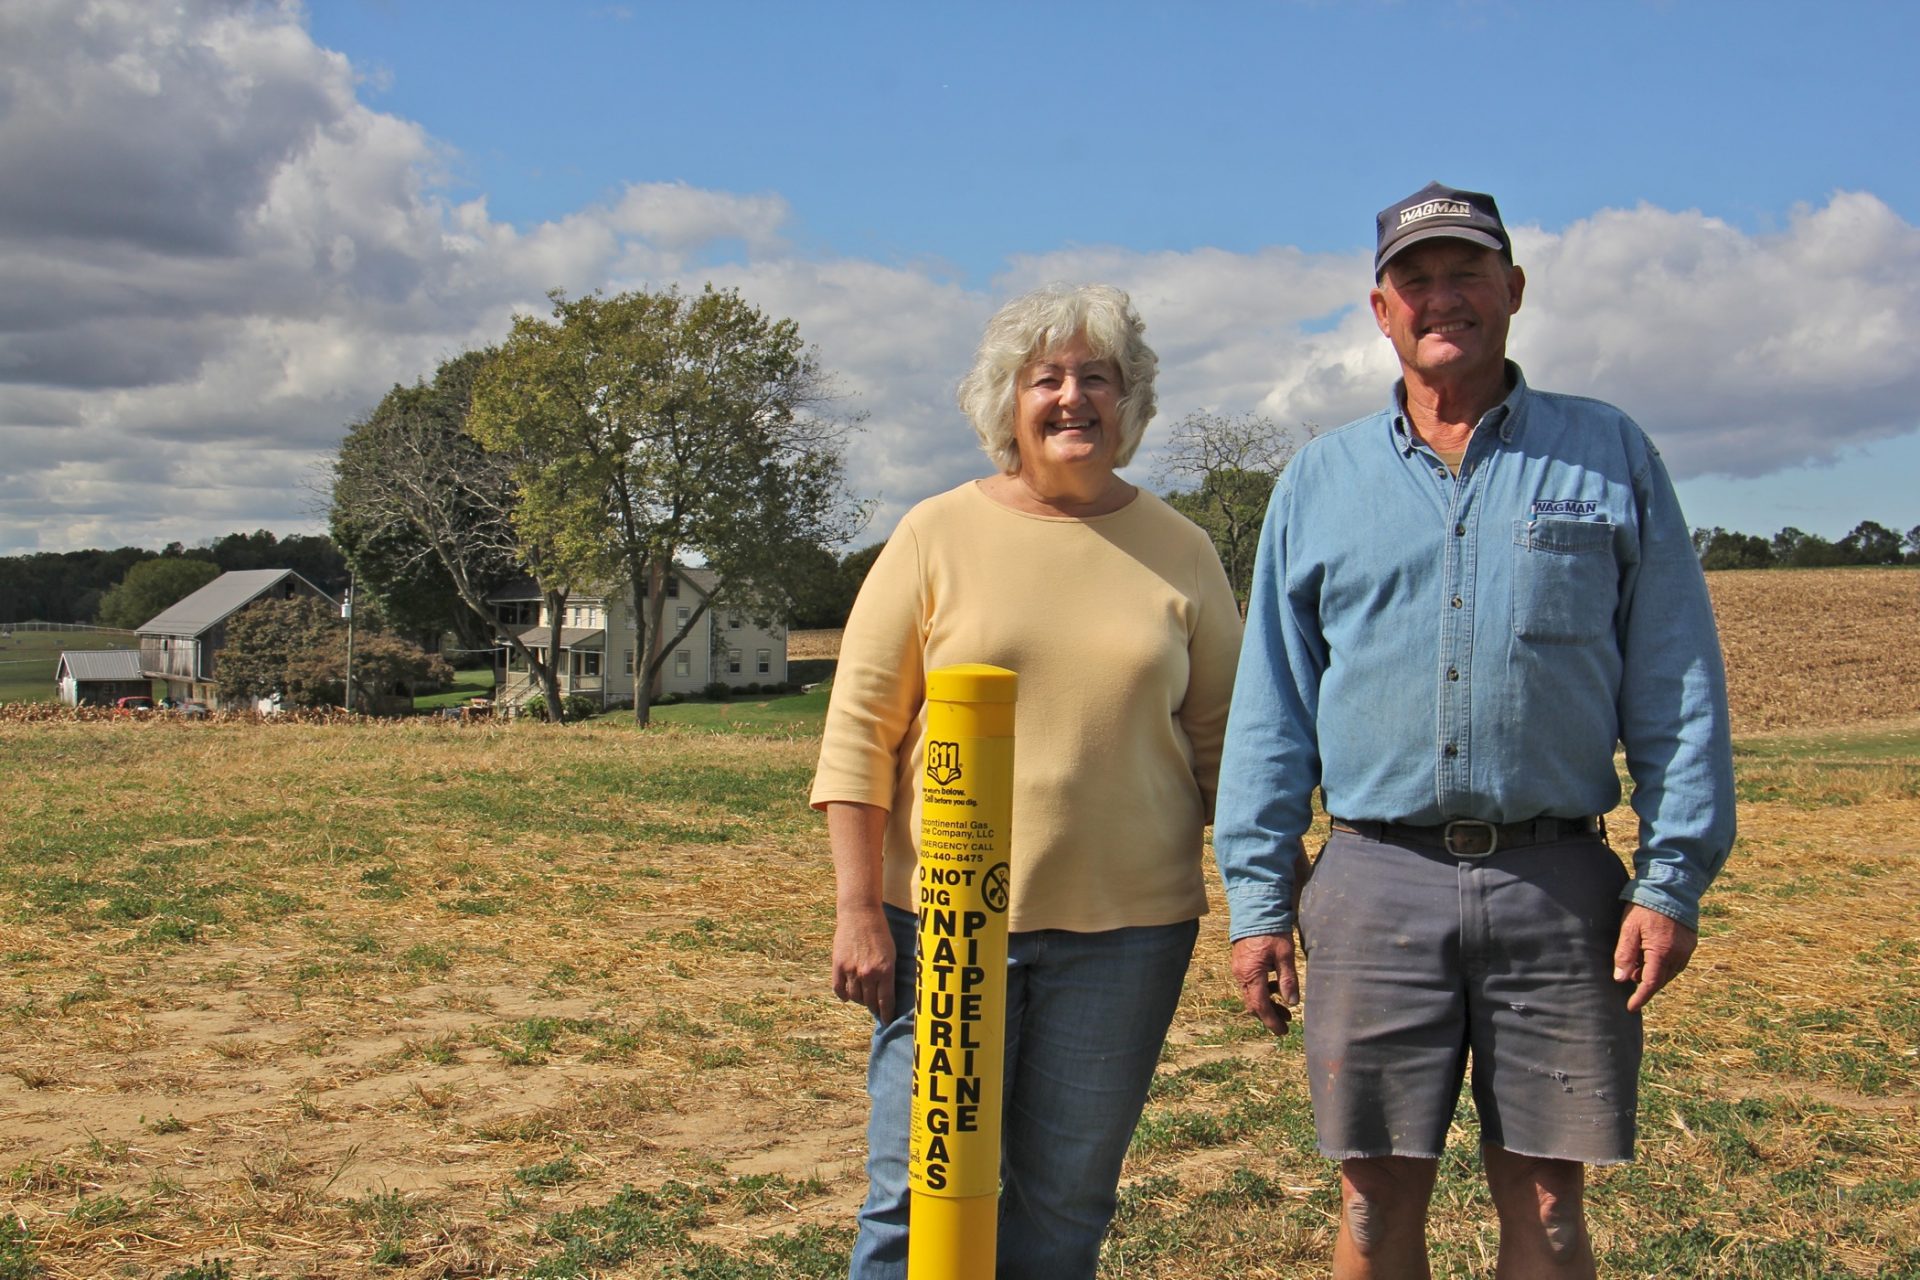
[(1086, 1015)]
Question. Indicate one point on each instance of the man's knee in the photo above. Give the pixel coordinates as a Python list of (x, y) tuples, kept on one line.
[(1563, 1220), (1549, 1193), (1384, 1198)]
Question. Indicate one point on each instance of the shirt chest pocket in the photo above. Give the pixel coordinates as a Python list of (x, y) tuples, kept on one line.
[(1565, 580)]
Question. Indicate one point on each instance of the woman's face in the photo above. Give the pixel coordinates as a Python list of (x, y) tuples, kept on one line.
[(1066, 417)]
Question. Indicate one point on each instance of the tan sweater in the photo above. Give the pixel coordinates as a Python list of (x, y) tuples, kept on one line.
[(1124, 635)]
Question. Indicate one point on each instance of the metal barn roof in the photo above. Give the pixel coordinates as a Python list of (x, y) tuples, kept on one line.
[(220, 599), (102, 664)]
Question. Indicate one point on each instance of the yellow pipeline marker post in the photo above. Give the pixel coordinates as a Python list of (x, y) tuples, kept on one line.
[(960, 1012)]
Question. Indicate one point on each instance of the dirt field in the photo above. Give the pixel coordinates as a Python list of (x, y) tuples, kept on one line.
[(312, 1002), (1809, 648)]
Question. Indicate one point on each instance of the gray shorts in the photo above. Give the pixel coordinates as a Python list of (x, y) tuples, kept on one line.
[(1418, 962)]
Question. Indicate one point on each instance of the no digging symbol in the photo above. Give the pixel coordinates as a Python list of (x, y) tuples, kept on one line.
[(993, 889)]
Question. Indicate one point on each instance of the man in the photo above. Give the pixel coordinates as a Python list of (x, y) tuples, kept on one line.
[(1460, 605)]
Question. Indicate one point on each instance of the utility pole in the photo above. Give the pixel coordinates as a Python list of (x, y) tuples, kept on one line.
[(346, 611)]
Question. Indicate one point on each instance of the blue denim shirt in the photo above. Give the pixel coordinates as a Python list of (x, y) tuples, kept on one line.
[(1426, 647)]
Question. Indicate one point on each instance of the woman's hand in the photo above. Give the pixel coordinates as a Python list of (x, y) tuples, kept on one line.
[(863, 959)]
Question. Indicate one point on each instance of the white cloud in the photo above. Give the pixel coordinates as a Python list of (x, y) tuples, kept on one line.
[(1741, 354), (213, 256)]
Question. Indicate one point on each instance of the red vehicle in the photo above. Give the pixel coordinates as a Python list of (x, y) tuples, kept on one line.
[(133, 704)]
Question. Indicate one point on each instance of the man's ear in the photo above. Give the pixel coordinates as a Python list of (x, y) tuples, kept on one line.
[(1378, 298), (1516, 286)]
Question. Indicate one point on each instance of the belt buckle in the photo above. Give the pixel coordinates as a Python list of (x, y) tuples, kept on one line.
[(1469, 827)]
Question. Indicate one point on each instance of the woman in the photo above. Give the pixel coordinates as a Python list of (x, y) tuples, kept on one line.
[(1117, 617)]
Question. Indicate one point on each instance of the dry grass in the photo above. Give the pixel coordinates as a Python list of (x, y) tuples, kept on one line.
[(386, 1000)]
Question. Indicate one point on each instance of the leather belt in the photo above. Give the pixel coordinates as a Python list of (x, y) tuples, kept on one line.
[(1472, 838)]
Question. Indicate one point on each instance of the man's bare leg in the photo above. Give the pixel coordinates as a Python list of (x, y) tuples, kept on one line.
[(1543, 1219), (1383, 1219)]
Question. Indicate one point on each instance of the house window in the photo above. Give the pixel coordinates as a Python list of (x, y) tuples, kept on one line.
[(683, 662), (629, 662), (733, 662), (764, 659), (673, 588), (733, 622), (589, 662), (681, 615)]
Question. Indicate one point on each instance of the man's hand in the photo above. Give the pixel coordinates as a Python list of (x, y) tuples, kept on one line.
[(863, 960), (1653, 950), (1263, 973)]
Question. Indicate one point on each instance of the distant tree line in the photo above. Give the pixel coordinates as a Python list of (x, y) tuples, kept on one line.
[(1868, 544), (76, 586)]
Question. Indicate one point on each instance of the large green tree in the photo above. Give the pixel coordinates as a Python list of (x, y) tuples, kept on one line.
[(1222, 468), (656, 427), (424, 513), (151, 587), (266, 640), (297, 648)]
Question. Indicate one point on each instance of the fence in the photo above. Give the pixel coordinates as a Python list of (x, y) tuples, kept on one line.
[(60, 626)]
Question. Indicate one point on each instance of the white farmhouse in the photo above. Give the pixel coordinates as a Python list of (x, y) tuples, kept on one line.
[(599, 642)]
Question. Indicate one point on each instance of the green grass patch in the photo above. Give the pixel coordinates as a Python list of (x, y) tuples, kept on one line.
[(19, 1260), (551, 1174), (658, 1225), (1828, 769), (766, 714), (468, 683)]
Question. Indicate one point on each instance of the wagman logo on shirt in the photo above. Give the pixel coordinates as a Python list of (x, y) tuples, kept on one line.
[(1563, 507)]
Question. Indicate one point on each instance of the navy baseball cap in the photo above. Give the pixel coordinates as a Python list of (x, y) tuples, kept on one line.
[(1435, 211)]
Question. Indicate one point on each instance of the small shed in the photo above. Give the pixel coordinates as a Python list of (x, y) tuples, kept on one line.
[(98, 677)]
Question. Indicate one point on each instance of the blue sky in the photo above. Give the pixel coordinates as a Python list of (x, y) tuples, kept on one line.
[(979, 131), (244, 222)]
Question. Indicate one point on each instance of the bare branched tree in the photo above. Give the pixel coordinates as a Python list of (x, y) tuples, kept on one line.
[(1220, 470), (418, 504)]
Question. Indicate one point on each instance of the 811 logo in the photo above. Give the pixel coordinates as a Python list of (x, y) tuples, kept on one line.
[(943, 762)]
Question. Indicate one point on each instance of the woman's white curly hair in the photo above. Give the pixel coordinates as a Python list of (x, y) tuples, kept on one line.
[(1038, 324)]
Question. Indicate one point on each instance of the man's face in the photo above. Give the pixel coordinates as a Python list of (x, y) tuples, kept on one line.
[(1445, 305)]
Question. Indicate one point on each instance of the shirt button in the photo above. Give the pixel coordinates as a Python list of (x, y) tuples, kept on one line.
[(1451, 751), (1460, 531), (1453, 673), (1458, 602)]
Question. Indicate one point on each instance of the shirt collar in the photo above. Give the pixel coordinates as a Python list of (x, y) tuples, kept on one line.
[(1504, 416)]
